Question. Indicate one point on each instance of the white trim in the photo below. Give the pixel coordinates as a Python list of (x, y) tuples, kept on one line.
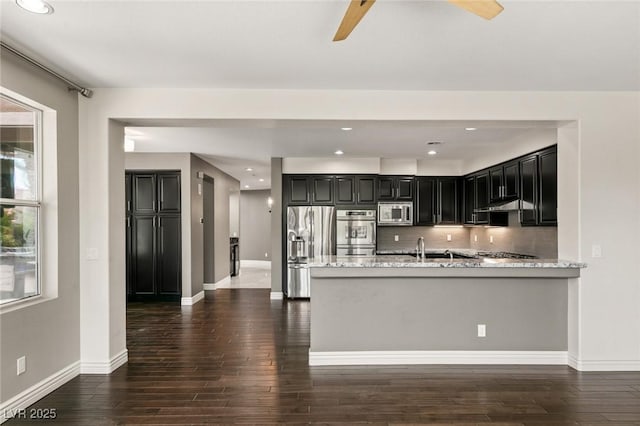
[(188, 301), (276, 295), (38, 391), (437, 357), (258, 264), (108, 367), (604, 365), (223, 283)]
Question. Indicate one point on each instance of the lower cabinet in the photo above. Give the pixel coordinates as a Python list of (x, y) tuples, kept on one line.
[(154, 253)]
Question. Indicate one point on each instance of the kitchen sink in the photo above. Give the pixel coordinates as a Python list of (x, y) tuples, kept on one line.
[(443, 256)]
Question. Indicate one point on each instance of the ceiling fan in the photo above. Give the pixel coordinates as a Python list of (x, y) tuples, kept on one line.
[(487, 9)]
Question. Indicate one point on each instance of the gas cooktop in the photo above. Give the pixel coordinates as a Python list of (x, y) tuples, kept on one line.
[(504, 255)]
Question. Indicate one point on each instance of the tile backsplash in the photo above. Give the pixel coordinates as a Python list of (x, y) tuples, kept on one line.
[(538, 241)]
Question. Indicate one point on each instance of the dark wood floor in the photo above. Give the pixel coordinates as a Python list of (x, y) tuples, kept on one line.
[(241, 358)]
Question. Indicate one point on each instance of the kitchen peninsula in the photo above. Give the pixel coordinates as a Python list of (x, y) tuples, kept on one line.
[(397, 309)]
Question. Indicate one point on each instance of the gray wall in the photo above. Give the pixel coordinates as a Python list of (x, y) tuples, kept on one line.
[(541, 241), (276, 225), (255, 222), (521, 314), (224, 187), (47, 333)]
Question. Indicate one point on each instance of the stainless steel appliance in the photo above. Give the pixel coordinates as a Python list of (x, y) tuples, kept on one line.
[(309, 235), (356, 232), (395, 213)]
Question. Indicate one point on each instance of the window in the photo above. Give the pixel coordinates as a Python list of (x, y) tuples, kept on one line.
[(20, 134)]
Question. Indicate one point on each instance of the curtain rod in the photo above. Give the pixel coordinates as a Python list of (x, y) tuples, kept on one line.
[(87, 93)]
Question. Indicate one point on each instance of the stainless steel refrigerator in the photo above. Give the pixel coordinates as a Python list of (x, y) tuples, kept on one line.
[(310, 234)]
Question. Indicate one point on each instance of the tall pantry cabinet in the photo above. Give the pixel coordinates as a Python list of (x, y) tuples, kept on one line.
[(154, 255)]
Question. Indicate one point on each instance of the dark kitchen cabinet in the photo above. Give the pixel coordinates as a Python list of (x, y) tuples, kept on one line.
[(529, 190), (366, 190), (437, 201), (548, 187), (504, 181), (476, 196), (322, 190), (153, 233), (395, 188), (298, 189), (345, 190)]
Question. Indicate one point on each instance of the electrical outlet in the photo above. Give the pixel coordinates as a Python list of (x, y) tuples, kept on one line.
[(482, 330), (396, 238), (596, 250), (448, 237), (22, 365), (266, 254), (490, 239), (475, 238)]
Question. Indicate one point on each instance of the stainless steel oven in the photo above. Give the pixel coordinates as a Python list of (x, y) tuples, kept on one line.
[(355, 232), (395, 213)]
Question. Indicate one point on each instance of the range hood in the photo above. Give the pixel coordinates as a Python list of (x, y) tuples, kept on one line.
[(507, 205)]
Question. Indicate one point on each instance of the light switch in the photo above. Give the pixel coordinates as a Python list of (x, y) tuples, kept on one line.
[(490, 239), (448, 237), (396, 238)]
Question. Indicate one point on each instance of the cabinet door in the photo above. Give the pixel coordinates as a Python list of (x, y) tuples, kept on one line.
[(482, 197), (169, 257), (169, 192), (425, 209), (548, 202), (529, 190), (447, 201), (144, 193), (322, 190), (386, 188), (298, 189), (404, 188), (143, 265), (345, 190), (366, 190), (469, 199), (496, 179), (511, 180)]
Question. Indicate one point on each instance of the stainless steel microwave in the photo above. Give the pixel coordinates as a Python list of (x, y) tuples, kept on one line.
[(395, 213)]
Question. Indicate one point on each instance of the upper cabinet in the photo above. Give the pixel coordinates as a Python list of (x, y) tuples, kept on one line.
[(322, 189), (476, 196), (354, 190), (529, 190), (437, 201), (305, 189), (504, 181), (395, 188), (297, 189), (548, 189)]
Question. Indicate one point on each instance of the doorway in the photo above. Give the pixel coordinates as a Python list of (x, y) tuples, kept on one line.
[(208, 205)]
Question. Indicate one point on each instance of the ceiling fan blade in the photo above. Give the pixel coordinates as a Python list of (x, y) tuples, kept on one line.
[(356, 10), (488, 9)]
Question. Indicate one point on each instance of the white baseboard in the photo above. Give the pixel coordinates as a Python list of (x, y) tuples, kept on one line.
[(607, 365), (11, 408), (276, 295), (437, 357), (259, 264), (107, 367), (209, 286), (188, 301)]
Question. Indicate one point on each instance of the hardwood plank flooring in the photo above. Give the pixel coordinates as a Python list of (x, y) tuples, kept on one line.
[(240, 358)]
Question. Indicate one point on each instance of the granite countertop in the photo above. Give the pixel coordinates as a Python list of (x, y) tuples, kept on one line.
[(390, 259)]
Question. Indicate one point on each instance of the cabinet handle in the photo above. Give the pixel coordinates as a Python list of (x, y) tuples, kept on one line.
[(128, 205), (128, 222)]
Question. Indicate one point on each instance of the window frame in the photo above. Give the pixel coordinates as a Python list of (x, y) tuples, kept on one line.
[(37, 202)]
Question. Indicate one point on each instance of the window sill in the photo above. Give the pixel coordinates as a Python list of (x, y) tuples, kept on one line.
[(23, 303)]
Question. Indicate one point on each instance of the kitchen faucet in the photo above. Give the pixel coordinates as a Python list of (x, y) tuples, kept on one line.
[(447, 252), (420, 248)]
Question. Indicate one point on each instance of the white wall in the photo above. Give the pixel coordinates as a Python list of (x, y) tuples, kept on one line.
[(599, 160), (47, 333)]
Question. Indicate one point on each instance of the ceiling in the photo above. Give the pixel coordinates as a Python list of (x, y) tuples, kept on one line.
[(401, 45), (235, 145), (268, 44)]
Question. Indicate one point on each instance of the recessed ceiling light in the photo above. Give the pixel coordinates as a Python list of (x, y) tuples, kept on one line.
[(246, 186), (471, 128), (36, 6), (432, 152), (261, 180), (249, 169), (339, 152), (346, 129)]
